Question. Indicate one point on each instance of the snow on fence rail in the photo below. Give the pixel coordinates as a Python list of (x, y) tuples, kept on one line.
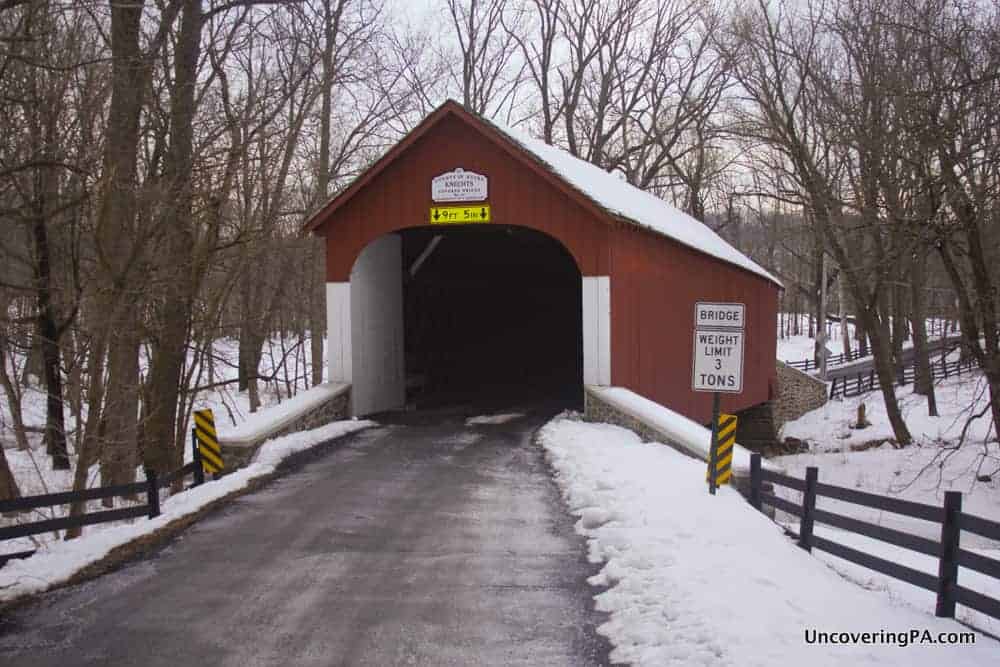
[(833, 360), (867, 381), (947, 550), (151, 509), (948, 344)]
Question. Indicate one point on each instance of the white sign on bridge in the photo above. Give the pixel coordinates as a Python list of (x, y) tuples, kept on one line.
[(459, 185), (718, 347), (719, 315)]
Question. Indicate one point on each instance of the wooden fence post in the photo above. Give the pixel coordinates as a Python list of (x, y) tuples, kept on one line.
[(152, 494), (808, 507), (199, 472), (948, 564), (756, 481)]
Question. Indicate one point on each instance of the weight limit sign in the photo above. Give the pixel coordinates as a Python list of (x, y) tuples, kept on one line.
[(718, 347)]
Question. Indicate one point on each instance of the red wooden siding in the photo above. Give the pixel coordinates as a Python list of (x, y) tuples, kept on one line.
[(655, 281), (400, 197)]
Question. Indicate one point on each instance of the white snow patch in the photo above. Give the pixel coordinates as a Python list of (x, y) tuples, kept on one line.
[(921, 472), (706, 580), (270, 419), (680, 430), (56, 562), (902, 592), (618, 197), (830, 428), (798, 347), (493, 419)]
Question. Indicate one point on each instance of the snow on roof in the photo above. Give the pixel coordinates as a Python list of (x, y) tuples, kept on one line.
[(620, 198)]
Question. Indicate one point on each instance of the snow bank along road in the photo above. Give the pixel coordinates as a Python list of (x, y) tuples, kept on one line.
[(695, 579), (427, 541)]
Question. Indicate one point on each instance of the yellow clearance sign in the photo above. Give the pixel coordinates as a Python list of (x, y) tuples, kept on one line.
[(459, 215)]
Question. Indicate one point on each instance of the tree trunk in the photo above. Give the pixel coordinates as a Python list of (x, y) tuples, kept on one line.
[(169, 350), (92, 433), (899, 317), (119, 454), (244, 366), (317, 314), (924, 381), (253, 355), (13, 397), (861, 336), (44, 140), (8, 485), (845, 334), (878, 332), (33, 365), (119, 245)]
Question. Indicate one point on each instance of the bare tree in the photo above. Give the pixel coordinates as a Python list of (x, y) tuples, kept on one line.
[(486, 71), (44, 174), (536, 29), (781, 61), (958, 51)]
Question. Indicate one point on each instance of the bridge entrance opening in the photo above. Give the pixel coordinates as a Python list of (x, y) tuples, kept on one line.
[(492, 316)]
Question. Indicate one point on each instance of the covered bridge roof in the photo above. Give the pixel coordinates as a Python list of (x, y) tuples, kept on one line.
[(605, 191)]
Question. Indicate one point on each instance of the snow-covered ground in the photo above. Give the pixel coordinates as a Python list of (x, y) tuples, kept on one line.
[(694, 438), (57, 561), (231, 407), (693, 579), (921, 472), (829, 428), (32, 468), (799, 347), (268, 420), (502, 418)]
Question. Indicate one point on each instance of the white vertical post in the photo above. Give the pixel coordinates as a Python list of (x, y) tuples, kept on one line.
[(376, 327), (338, 327), (597, 330)]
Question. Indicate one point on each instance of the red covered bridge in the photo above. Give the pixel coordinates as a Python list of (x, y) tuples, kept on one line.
[(471, 258)]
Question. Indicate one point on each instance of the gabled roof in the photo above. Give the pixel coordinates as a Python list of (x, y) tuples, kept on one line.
[(599, 191)]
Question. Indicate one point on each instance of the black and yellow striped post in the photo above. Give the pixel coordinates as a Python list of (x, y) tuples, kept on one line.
[(208, 441), (720, 460)]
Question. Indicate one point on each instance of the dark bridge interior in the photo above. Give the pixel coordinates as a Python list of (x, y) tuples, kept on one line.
[(492, 316)]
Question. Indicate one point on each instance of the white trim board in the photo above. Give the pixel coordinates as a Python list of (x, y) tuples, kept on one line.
[(376, 305), (597, 330), (338, 326)]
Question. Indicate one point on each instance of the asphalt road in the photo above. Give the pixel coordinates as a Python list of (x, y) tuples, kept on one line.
[(421, 542)]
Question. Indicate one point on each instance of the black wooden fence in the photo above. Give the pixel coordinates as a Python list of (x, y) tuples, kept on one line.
[(935, 346), (831, 361), (867, 381), (151, 487), (952, 520)]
